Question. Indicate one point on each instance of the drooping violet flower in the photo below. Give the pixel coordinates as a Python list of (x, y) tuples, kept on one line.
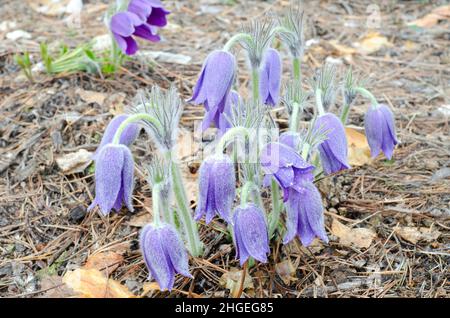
[(216, 188), (270, 77), (214, 84), (304, 214), (291, 139), (380, 130), (114, 169), (333, 151), (150, 11), (127, 137), (285, 165), (250, 233), (125, 25), (232, 101), (164, 254)]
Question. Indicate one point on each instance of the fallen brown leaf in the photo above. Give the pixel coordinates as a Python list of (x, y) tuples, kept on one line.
[(91, 283), (359, 237), (74, 162), (140, 220), (232, 281), (358, 148), (372, 43), (432, 18), (105, 261), (286, 270), (91, 96), (414, 234)]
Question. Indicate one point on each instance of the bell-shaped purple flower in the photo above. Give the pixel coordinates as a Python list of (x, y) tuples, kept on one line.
[(150, 11), (305, 214), (114, 169), (216, 188), (125, 25), (285, 165), (250, 233), (333, 151), (164, 254), (214, 84), (380, 130), (291, 139), (127, 137), (270, 77), (232, 101)]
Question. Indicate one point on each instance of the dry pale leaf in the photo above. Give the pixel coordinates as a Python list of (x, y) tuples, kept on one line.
[(414, 234), (342, 50), (232, 280), (359, 237), (372, 43), (140, 220), (286, 270), (358, 148), (91, 283), (74, 162), (91, 96), (53, 287), (432, 18), (105, 261)]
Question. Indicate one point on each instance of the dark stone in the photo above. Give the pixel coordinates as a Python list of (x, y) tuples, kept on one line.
[(77, 214)]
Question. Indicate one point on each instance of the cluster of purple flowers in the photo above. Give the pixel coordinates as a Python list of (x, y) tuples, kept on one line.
[(141, 19), (289, 163)]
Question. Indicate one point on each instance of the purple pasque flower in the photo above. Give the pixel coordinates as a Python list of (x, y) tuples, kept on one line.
[(216, 188), (380, 130), (232, 101), (164, 254), (333, 151), (283, 163), (128, 136), (291, 139), (304, 214), (125, 25), (114, 169), (214, 84), (270, 77), (150, 11), (250, 233)]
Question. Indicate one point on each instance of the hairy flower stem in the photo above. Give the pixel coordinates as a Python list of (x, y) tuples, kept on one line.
[(255, 85), (195, 246), (234, 39), (156, 199), (364, 92), (132, 119), (276, 209), (296, 69), (344, 114), (293, 124), (249, 188), (229, 136), (319, 104)]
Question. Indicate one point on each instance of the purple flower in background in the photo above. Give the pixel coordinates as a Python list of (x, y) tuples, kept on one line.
[(270, 77), (125, 25), (305, 214), (250, 233), (214, 84), (127, 137), (291, 139), (380, 130), (114, 169), (285, 165), (333, 151), (216, 188), (232, 101), (164, 254), (150, 11)]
